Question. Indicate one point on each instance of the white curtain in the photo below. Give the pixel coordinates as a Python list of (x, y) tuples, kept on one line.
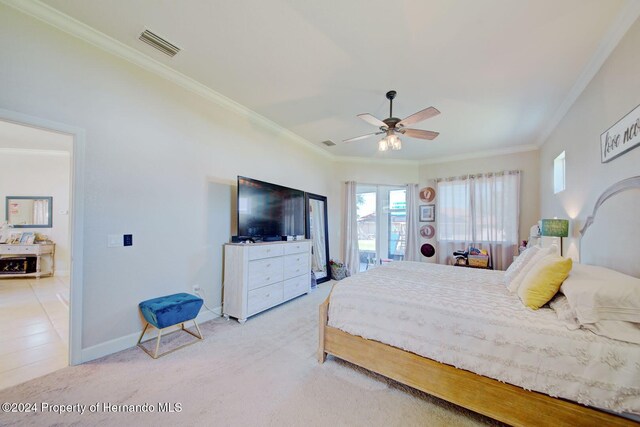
[(350, 240), (318, 262), (481, 210), (412, 248)]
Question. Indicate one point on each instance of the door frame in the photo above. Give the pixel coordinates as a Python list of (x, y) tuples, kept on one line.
[(76, 220)]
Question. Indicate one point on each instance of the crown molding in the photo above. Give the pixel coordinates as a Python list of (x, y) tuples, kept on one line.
[(27, 151), (628, 14), (481, 154), (69, 25)]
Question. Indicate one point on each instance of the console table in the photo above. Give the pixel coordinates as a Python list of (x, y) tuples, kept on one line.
[(36, 260)]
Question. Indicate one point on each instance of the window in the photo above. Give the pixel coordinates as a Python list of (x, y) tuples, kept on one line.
[(559, 174), (479, 208), (382, 224)]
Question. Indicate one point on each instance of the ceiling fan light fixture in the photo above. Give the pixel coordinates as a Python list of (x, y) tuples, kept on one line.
[(394, 142), (383, 145)]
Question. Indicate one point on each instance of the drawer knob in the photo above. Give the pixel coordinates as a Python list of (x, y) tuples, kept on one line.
[(268, 265), (268, 278), (268, 295)]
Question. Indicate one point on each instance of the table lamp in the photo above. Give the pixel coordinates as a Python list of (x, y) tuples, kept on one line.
[(555, 228)]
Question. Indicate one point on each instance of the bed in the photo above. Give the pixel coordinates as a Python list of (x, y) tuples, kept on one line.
[(464, 338)]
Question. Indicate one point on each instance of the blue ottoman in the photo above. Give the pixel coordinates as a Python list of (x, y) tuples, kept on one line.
[(167, 311)]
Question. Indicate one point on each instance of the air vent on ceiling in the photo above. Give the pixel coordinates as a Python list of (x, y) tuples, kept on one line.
[(329, 143), (159, 43)]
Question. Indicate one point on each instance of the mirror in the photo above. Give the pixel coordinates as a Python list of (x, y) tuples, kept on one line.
[(318, 232), (29, 211)]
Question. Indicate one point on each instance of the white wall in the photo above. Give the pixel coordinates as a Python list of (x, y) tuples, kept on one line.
[(152, 151), (37, 173), (611, 94), (527, 162)]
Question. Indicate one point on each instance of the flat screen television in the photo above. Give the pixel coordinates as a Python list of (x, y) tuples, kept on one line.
[(266, 209)]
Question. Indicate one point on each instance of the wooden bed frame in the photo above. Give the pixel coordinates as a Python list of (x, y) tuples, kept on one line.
[(504, 402)]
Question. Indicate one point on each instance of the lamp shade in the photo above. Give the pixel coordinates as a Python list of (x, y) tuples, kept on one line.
[(555, 228)]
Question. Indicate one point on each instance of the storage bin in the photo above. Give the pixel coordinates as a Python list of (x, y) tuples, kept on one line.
[(478, 260)]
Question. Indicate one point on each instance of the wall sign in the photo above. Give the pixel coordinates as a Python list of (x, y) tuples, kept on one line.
[(621, 137)]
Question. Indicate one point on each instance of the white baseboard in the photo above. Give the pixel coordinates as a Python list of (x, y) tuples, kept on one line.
[(122, 343), (61, 273)]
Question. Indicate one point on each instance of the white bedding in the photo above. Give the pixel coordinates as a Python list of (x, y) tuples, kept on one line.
[(467, 318)]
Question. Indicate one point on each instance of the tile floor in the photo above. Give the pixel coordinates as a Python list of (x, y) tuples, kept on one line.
[(34, 328)]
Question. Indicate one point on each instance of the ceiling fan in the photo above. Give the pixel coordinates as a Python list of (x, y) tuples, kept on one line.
[(393, 126)]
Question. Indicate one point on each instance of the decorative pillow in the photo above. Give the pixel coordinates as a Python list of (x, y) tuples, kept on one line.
[(518, 264), (598, 293), (529, 264), (543, 280)]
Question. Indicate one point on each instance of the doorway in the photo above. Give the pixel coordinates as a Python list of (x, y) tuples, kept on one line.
[(38, 302), (382, 224)]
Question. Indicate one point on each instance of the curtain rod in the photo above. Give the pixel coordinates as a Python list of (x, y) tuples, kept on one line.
[(474, 175)]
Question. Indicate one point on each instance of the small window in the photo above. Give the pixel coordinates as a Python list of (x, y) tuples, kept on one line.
[(558, 174)]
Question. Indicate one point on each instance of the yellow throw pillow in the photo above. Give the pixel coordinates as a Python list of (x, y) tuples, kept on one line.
[(543, 281)]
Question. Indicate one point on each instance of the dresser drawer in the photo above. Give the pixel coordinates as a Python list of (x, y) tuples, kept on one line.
[(296, 286), (263, 298), (264, 272), (19, 249), (265, 251), (295, 265), (295, 248)]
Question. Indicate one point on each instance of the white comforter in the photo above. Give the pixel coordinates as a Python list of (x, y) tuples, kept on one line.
[(466, 318)]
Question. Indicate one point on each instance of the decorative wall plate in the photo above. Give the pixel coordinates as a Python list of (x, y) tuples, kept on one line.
[(428, 250), (427, 231), (427, 194)]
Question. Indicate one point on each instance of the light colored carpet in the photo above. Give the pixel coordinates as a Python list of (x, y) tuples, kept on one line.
[(261, 373)]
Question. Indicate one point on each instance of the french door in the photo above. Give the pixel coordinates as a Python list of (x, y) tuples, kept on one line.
[(382, 224)]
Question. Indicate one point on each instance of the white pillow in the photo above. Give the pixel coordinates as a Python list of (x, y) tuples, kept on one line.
[(598, 293), (519, 277), (614, 329), (518, 264)]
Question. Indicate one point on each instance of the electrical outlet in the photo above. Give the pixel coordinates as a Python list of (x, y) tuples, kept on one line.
[(127, 240)]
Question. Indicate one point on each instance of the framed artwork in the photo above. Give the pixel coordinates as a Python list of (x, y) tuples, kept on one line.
[(427, 213)]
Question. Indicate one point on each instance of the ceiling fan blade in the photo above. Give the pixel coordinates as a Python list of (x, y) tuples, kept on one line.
[(372, 120), (419, 133), (425, 114), (361, 137)]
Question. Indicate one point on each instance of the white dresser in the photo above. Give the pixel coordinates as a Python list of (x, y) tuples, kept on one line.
[(258, 276)]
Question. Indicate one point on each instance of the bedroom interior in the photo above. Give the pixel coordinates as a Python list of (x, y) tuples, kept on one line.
[(532, 176)]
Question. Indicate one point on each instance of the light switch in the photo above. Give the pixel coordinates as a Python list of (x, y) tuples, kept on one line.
[(114, 240)]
